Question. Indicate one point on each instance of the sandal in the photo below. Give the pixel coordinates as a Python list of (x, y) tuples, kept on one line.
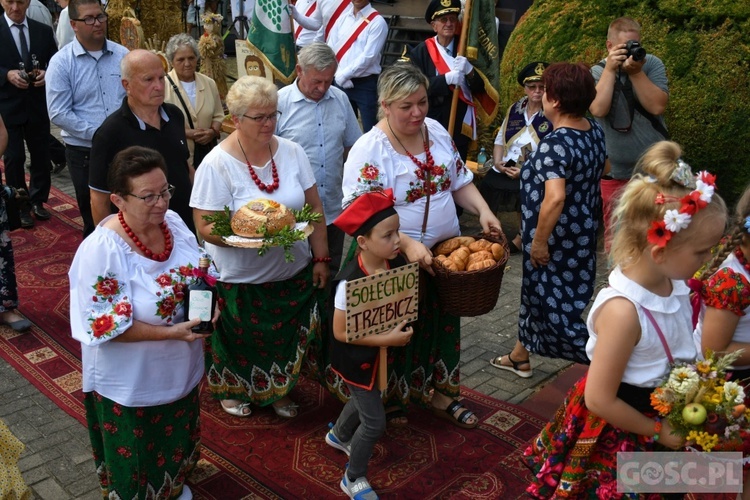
[(237, 410), (451, 414), (396, 417), (288, 410), (515, 366)]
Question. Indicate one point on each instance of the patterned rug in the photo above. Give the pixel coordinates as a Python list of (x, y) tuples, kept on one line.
[(265, 456)]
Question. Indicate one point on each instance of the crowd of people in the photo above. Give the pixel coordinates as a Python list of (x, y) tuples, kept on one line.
[(368, 149)]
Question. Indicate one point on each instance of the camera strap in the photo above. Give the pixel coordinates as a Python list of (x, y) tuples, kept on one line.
[(633, 103)]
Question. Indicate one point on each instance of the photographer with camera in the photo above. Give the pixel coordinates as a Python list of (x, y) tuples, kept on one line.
[(631, 96)]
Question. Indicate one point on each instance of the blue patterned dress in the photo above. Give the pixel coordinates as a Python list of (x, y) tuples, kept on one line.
[(554, 296)]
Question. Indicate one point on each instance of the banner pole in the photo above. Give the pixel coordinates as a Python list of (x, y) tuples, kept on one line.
[(461, 51)]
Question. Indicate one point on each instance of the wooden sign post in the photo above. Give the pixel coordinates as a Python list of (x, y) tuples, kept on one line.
[(377, 303)]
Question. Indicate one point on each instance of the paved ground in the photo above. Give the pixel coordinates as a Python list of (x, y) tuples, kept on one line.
[(57, 463)]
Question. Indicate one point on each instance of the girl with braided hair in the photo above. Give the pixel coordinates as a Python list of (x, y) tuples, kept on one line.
[(723, 323)]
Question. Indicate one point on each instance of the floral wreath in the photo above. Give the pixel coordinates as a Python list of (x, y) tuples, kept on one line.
[(661, 231)]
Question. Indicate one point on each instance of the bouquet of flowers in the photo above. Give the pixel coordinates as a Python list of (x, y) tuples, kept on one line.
[(702, 405)]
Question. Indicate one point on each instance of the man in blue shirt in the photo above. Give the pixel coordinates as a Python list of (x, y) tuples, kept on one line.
[(319, 118), (83, 88)]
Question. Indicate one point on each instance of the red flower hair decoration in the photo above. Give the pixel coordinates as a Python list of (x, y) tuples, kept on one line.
[(661, 231)]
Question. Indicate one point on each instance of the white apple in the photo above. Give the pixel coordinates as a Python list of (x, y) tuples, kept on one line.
[(694, 413)]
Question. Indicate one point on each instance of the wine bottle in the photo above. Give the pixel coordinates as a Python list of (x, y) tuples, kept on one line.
[(200, 300)]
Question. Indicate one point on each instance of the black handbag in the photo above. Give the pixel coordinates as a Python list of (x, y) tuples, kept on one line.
[(199, 150)]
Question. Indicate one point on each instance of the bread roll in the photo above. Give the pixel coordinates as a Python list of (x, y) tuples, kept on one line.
[(250, 219), (498, 252), (480, 245), (448, 246), (481, 264), (460, 257), (448, 264), (465, 240), (479, 256)]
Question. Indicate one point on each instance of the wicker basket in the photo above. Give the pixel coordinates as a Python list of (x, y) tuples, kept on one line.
[(471, 293)]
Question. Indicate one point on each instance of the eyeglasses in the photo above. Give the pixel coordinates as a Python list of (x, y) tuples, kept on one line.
[(261, 119), (151, 199), (535, 88), (90, 20)]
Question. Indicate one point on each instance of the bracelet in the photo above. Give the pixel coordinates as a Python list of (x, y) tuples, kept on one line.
[(657, 429), (321, 259)]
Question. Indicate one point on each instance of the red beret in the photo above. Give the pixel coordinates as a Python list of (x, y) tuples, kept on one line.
[(365, 212)]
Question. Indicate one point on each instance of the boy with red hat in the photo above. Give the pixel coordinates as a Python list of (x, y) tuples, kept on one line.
[(373, 222)]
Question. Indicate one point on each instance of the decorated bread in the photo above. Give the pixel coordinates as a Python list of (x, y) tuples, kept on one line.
[(249, 221)]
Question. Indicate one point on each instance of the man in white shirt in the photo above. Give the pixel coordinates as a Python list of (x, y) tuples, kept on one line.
[(83, 89), (319, 118), (308, 19), (356, 32)]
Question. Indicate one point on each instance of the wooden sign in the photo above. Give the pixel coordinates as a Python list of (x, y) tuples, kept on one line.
[(377, 303)]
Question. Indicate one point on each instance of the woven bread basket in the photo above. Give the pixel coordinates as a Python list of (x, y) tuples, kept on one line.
[(471, 293)]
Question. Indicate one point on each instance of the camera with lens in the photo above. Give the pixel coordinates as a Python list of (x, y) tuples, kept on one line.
[(635, 50)]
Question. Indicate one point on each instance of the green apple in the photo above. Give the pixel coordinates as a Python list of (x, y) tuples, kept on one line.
[(694, 413)]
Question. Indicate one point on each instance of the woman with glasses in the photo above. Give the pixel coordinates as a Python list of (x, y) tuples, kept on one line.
[(270, 308), (142, 363), (560, 204), (196, 95), (522, 129)]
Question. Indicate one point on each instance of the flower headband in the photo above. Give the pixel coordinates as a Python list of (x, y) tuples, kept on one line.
[(661, 231)]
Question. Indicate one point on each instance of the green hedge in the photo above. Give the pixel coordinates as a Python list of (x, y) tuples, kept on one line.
[(705, 46)]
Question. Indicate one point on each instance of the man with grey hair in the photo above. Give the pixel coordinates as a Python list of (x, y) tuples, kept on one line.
[(144, 119), (83, 88), (319, 118)]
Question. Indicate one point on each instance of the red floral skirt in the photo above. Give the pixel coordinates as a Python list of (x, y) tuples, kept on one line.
[(575, 455)]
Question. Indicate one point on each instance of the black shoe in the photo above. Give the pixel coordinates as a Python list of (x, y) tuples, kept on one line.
[(39, 212), (27, 221), (58, 167)]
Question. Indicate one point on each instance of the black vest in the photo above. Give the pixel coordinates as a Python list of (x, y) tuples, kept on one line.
[(356, 363)]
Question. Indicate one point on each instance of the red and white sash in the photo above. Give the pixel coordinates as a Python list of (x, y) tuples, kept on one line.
[(308, 13), (442, 62), (342, 48)]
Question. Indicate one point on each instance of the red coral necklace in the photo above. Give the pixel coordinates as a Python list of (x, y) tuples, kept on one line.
[(261, 185), (741, 257), (159, 257), (428, 155)]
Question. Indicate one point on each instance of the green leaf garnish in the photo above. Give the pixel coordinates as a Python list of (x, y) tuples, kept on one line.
[(286, 238)]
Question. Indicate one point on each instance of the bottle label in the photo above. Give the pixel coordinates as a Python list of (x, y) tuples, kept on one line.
[(200, 305)]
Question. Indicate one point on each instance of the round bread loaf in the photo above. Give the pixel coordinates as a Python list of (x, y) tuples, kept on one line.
[(250, 219)]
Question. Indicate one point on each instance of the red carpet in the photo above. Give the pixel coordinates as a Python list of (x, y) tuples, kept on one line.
[(265, 456)]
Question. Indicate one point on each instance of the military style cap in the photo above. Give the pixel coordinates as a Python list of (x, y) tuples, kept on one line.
[(439, 8), (532, 72)]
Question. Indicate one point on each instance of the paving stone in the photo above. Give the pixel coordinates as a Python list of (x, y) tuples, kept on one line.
[(49, 489)]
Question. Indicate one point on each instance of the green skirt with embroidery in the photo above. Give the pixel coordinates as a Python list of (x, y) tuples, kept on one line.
[(143, 452), (266, 335)]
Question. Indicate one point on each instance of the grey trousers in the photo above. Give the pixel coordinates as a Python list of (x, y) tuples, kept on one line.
[(363, 422)]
